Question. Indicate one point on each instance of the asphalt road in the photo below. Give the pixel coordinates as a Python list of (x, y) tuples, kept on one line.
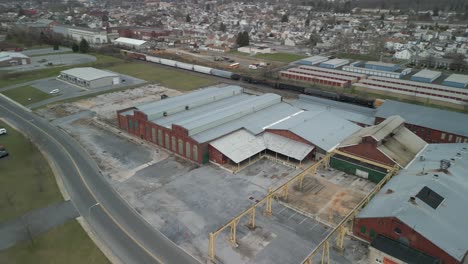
[(126, 233)]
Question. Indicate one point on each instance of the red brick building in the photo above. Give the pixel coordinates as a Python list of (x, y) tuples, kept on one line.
[(424, 206), (431, 124)]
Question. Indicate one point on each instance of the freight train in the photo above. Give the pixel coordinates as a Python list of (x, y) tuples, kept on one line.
[(233, 76)]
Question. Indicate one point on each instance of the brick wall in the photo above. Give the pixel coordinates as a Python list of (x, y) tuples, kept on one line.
[(392, 228)]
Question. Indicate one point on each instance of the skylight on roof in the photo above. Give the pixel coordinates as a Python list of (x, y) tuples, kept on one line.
[(430, 197)]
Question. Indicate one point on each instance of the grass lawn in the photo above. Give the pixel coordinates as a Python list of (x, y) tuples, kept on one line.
[(179, 80), (22, 94), (282, 57), (26, 183), (67, 243), (26, 180)]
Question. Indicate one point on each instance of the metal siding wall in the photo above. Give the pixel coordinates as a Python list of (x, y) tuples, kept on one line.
[(350, 168)]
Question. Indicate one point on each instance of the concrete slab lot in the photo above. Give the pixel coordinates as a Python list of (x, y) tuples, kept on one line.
[(186, 201), (41, 62)]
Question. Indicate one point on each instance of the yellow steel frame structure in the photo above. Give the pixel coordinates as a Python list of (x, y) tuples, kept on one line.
[(281, 192), (341, 229)]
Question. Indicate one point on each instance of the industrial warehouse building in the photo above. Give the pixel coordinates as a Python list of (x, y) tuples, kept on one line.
[(431, 124), (423, 92), (229, 127), (13, 58), (423, 207), (130, 43), (389, 143), (381, 66), (457, 80), (334, 63), (88, 77), (426, 76), (314, 60)]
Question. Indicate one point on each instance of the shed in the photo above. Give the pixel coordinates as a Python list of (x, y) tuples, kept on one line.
[(333, 64), (426, 76), (457, 80)]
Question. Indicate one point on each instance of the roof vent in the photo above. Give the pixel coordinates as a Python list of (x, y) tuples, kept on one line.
[(187, 107), (164, 113), (412, 200), (389, 191), (445, 164), (422, 158)]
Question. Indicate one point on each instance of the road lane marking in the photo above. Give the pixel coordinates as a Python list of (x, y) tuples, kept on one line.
[(86, 184)]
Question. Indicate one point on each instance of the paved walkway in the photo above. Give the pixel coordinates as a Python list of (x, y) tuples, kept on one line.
[(35, 223)]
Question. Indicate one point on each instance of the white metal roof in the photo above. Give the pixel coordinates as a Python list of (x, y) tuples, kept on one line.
[(427, 74), (129, 41), (241, 145), (323, 129), (336, 62), (315, 59), (379, 63), (6, 55), (447, 225), (458, 78), (89, 73), (442, 120)]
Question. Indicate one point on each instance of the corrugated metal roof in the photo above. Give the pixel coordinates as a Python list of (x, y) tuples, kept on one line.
[(241, 145), (336, 62), (315, 59), (7, 55), (188, 101), (427, 74), (254, 123), (458, 78), (89, 73), (350, 112), (130, 41), (314, 68), (322, 74), (452, 122), (411, 83), (217, 117), (322, 129), (447, 225), (395, 141), (379, 63), (285, 146)]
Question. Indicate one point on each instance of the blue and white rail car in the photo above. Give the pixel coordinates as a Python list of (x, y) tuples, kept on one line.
[(184, 66), (153, 59), (202, 69), (167, 62)]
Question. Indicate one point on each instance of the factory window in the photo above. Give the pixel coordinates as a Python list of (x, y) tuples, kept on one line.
[(129, 124), (450, 138), (147, 132), (372, 233), (187, 150), (153, 134), (459, 140), (466, 140), (135, 125), (363, 229), (397, 230), (181, 147), (160, 140), (174, 144), (167, 141), (195, 152)]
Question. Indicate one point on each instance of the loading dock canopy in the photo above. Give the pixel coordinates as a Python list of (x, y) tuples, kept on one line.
[(241, 145)]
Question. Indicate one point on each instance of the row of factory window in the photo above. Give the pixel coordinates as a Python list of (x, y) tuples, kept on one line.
[(426, 87), (75, 80), (458, 139), (416, 91), (314, 79), (162, 139)]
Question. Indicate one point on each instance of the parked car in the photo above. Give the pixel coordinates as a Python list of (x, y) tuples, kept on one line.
[(3, 131), (55, 91), (3, 153)]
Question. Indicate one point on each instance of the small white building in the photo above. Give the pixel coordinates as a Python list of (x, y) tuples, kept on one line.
[(255, 50), (89, 77), (130, 43)]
